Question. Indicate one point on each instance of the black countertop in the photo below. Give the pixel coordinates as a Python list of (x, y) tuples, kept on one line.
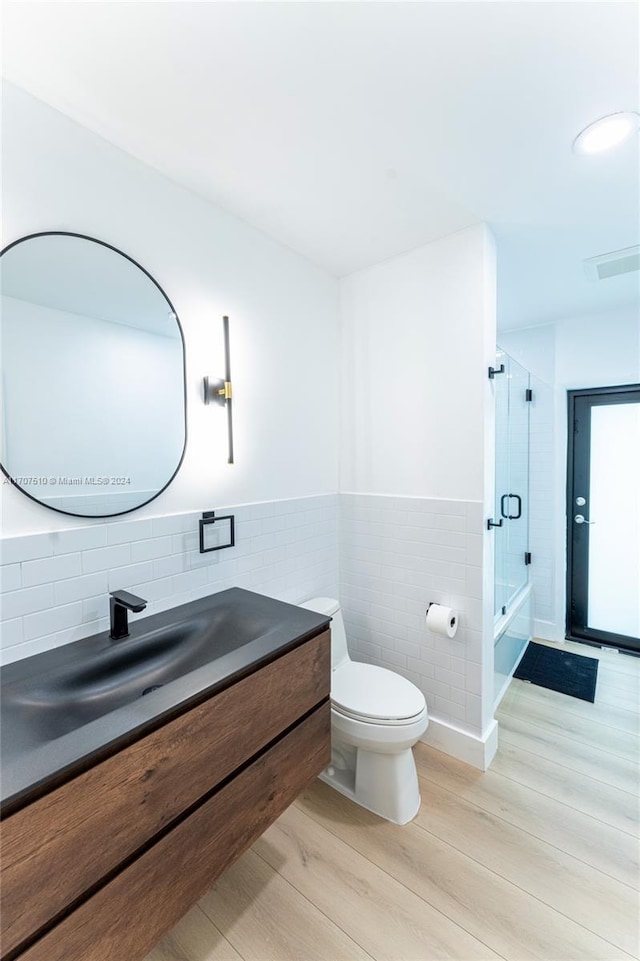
[(49, 733)]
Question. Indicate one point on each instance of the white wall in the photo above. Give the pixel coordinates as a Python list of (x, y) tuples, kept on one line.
[(534, 348), (414, 379), (596, 351), (417, 465), (415, 404), (284, 312)]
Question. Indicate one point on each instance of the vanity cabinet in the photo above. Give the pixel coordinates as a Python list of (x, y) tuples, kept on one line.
[(102, 866)]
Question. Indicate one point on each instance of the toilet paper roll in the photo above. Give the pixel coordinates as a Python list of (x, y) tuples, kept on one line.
[(442, 620)]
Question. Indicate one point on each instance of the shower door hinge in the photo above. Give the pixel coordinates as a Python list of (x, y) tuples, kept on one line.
[(504, 608), (527, 557), (528, 395), (495, 370)]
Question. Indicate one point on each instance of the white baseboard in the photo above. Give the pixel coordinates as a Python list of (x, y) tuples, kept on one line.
[(470, 748)]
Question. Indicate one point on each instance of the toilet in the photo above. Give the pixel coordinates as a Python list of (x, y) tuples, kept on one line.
[(376, 718)]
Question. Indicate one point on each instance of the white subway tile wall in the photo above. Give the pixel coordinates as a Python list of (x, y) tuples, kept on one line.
[(55, 586), (397, 554)]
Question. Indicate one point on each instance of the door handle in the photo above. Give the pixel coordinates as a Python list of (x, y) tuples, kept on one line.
[(579, 519), (516, 517), (503, 509)]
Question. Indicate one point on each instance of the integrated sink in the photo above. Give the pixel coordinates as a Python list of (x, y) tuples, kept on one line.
[(62, 706), (101, 681)]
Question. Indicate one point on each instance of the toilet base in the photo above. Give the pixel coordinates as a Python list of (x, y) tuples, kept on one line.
[(386, 784)]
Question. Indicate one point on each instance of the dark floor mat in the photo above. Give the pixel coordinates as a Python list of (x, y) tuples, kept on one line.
[(559, 671)]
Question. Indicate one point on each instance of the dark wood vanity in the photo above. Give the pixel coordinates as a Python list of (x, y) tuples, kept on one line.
[(101, 866)]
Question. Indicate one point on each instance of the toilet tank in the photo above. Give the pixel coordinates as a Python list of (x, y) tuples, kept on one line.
[(331, 607)]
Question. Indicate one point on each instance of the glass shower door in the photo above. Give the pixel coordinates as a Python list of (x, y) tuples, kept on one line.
[(512, 396), (517, 509), (500, 594), (512, 616)]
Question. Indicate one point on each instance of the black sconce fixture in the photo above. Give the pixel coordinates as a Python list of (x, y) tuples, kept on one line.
[(219, 391)]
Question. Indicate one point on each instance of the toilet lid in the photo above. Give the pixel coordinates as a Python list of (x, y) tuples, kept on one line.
[(365, 690)]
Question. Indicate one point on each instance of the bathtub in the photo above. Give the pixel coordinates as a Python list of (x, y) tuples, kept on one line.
[(512, 633)]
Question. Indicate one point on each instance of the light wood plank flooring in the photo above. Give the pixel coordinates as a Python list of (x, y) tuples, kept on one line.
[(537, 858)]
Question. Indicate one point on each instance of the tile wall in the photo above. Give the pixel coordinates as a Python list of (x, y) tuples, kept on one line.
[(55, 586), (396, 555)]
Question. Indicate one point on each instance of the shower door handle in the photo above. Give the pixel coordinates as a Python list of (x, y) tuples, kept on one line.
[(503, 510), (516, 517)]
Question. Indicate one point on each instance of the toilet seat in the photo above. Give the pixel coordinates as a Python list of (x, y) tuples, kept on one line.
[(373, 694)]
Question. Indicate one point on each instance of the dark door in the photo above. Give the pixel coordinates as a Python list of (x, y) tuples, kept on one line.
[(603, 516)]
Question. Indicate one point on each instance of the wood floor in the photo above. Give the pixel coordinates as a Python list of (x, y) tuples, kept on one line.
[(536, 858)]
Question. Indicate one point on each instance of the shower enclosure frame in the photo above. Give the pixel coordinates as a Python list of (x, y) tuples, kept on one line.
[(512, 601), (513, 398)]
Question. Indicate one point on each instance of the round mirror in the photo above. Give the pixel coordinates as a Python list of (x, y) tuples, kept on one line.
[(93, 412)]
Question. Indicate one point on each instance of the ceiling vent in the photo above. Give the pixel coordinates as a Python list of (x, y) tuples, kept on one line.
[(614, 264)]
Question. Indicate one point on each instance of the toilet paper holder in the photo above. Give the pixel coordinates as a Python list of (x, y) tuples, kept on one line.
[(430, 604), (453, 618)]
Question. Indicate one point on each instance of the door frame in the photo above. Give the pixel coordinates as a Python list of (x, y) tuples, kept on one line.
[(578, 464)]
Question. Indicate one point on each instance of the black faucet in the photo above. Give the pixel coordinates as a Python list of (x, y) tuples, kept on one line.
[(119, 604)]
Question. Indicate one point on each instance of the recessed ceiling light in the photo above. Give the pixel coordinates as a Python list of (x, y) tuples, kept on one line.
[(606, 133)]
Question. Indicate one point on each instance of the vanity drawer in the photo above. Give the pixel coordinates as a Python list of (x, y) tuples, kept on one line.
[(134, 910), (61, 845)]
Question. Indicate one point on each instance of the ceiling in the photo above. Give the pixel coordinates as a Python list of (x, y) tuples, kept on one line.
[(353, 132)]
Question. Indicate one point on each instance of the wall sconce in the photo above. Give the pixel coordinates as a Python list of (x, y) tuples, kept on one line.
[(220, 392)]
